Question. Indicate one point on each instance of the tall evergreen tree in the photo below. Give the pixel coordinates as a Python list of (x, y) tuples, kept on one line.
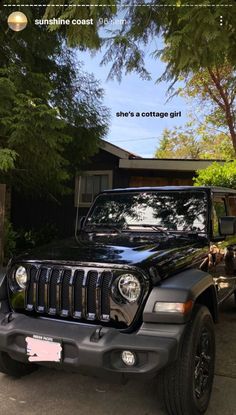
[(51, 110)]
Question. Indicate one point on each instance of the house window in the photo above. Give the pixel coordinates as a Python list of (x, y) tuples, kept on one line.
[(90, 184)]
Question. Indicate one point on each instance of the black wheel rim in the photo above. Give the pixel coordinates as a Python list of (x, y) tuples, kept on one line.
[(203, 364)]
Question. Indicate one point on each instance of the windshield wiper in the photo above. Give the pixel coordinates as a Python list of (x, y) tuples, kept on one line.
[(154, 227), (95, 226), (123, 227)]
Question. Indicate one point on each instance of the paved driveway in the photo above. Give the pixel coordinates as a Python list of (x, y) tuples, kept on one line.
[(58, 393)]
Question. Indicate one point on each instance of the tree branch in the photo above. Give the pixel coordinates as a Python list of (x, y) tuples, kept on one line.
[(227, 107)]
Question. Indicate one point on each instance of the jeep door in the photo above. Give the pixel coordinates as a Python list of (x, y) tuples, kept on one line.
[(222, 255)]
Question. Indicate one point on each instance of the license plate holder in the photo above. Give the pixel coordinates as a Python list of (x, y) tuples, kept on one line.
[(43, 349)]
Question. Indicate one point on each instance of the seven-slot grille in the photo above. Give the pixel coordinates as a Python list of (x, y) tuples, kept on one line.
[(69, 292)]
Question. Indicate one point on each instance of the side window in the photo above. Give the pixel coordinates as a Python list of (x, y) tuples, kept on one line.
[(232, 205), (219, 209)]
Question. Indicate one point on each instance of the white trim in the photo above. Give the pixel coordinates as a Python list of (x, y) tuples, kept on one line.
[(78, 178), (160, 164), (115, 150)]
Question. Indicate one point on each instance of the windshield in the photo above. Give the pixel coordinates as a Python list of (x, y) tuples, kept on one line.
[(172, 211)]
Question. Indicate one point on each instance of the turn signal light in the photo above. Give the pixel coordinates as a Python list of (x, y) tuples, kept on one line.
[(164, 307)]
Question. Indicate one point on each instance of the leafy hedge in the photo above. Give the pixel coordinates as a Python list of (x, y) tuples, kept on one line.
[(217, 175)]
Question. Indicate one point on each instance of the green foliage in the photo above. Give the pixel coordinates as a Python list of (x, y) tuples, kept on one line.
[(195, 142), (10, 237), (193, 37), (210, 132), (40, 148), (31, 238), (194, 43), (212, 92), (16, 241), (217, 175), (7, 159), (212, 82), (51, 111), (88, 37), (178, 144)]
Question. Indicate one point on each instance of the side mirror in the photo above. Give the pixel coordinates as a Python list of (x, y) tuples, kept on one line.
[(227, 225), (81, 222)]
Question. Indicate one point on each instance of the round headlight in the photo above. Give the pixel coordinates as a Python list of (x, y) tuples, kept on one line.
[(21, 277), (129, 287)]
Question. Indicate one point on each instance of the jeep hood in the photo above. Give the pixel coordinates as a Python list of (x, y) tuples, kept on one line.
[(165, 252)]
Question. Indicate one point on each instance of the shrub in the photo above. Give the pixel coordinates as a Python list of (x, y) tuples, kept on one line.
[(20, 240), (10, 237), (217, 175), (35, 237)]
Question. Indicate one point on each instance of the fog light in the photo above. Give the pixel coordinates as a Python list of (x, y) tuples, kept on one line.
[(128, 358)]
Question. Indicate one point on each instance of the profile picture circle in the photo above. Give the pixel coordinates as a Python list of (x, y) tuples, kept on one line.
[(17, 21)]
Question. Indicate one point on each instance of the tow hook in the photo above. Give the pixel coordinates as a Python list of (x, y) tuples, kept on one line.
[(8, 318), (98, 334)]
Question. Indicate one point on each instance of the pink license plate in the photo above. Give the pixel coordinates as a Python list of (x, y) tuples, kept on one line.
[(43, 349)]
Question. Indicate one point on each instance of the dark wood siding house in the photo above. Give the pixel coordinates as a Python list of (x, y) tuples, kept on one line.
[(113, 167), (110, 167)]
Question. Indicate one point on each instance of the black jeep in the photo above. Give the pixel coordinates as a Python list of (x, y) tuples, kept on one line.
[(135, 293)]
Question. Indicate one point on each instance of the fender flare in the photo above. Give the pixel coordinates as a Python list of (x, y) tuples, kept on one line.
[(191, 284)]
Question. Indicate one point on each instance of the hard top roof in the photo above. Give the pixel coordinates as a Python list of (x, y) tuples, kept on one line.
[(214, 189)]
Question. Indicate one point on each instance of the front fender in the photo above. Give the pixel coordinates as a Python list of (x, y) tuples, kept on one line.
[(192, 284)]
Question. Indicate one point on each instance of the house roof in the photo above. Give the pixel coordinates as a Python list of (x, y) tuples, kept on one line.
[(133, 161), (117, 151)]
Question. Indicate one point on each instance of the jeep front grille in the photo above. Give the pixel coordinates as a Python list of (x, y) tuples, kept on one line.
[(69, 292)]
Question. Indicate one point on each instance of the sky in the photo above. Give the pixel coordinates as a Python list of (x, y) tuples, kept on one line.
[(139, 135)]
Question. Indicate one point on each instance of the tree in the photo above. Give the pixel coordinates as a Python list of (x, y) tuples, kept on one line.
[(211, 131), (51, 111), (194, 42), (214, 90), (217, 175), (192, 36), (195, 142), (178, 144)]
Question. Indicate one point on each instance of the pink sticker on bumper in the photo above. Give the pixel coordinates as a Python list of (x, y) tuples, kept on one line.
[(43, 350)]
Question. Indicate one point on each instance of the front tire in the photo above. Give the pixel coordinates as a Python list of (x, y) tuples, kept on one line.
[(14, 368), (187, 384)]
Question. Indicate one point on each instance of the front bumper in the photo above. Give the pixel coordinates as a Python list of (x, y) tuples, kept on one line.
[(94, 350)]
